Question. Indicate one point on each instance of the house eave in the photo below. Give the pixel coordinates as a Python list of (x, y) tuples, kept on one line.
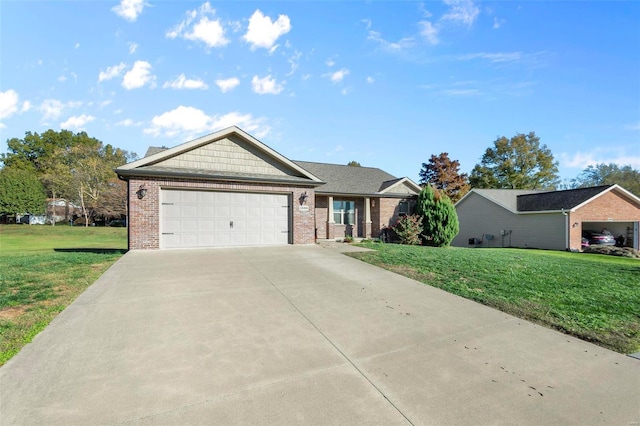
[(126, 174), (364, 195), (546, 211)]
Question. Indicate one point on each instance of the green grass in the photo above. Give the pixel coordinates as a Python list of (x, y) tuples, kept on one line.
[(593, 297), (43, 269)]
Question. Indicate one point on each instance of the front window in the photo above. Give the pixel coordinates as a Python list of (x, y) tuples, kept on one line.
[(343, 212), (405, 208)]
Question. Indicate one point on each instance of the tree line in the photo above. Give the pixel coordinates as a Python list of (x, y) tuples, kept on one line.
[(519, 162), (63, 165)]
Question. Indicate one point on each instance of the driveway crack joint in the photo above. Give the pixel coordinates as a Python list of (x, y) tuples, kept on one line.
[(352, 363)]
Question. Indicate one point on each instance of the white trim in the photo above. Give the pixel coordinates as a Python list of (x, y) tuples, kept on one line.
[(204, 140), (367, 210), (611, 188), (405, 180)]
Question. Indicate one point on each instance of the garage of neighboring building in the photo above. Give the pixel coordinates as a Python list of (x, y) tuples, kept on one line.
[(192, 218), (623, 232)]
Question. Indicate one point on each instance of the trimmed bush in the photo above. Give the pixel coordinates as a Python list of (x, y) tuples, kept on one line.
[(408, 229), (440, 220)]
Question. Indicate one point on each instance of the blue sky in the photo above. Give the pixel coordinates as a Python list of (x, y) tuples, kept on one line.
[(384, 83)]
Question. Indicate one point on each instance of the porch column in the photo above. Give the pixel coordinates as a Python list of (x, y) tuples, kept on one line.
[(367, 217), (330, 221)]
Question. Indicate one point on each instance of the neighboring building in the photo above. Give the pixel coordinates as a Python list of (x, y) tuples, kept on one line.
[(229, 189), (545, 219)]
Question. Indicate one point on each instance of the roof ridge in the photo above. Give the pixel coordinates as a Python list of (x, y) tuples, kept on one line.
[(338, 165)]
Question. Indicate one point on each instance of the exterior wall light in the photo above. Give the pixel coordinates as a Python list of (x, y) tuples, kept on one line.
[(303, 198), (141, 192)]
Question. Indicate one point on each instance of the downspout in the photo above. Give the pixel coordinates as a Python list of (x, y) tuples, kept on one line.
[(566, 231)]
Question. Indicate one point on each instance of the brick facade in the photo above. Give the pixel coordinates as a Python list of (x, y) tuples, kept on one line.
[(384, 213), (144, 214), (610, 207)]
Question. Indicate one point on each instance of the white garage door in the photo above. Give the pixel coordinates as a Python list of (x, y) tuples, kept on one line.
[(191, 219)]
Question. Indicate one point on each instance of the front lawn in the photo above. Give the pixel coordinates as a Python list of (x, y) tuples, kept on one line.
[(593, 297), (43, 269)]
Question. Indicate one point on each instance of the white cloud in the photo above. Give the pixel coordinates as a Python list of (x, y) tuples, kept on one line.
[(26, 106), (132, 47), (493, 57), (330, 62), (266, 85), (582, 160), (198, 27), (398, 46), (190, 122), (338, 76), (367, 23), (8, 103), (138, 76), (227, 84), (77, 45), (182, 82), (77, 122), (127, 122), (111, 72), (129, 9), (293, 61), (51, 109), (262, 32), (497, 23), (462, 11), (461, 92), (429, 32), (370, 80)]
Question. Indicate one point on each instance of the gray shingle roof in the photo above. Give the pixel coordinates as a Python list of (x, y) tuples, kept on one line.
[(154, 150), (507, 198), (558, 200), (349, 179)]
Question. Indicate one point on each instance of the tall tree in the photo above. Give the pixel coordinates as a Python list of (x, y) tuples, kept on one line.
[(609, 174), (440, 221), (76, 167), (35, 149), (444, 174), (516, 163), (21, 192), (92, 177), (353, 164)]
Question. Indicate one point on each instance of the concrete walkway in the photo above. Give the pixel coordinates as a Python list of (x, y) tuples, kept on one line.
[(301, 335)]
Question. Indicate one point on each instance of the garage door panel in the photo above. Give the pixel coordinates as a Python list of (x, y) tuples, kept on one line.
[(189, 197), (218, 219), (189, 226), (171, 225)]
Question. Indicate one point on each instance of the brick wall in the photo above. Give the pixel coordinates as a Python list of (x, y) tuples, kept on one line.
[(144, 214), (608, 207), (322, 213)]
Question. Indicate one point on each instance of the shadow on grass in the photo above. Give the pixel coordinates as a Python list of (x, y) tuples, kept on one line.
[(91, 250)]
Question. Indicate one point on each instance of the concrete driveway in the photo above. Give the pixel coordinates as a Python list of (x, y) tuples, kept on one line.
[(301, 335)]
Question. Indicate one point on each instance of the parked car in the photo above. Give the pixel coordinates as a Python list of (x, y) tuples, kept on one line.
[(603, 238), (585, 243), (117, 223)]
